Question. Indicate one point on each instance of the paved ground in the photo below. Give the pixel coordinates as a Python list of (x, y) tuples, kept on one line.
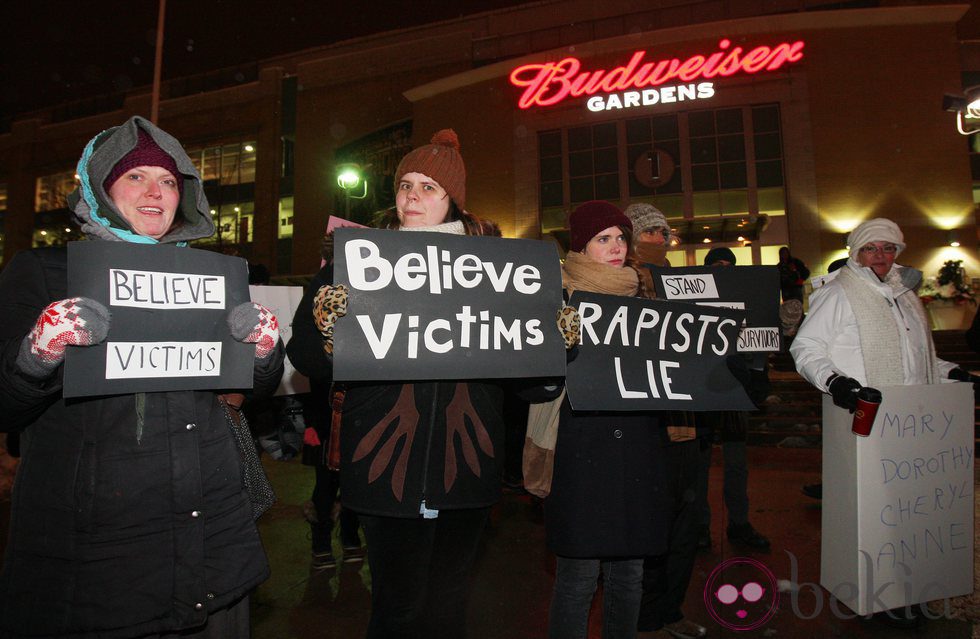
[(513, 579)]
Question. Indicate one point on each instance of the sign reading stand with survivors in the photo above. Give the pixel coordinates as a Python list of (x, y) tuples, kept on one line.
[(754, 289), (169, 308), (638, 354), (439, 306)]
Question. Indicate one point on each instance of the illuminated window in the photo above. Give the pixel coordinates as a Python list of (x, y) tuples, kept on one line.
[(227, 163), (714, 163), (52, 190), (234, 224), (286, 217)]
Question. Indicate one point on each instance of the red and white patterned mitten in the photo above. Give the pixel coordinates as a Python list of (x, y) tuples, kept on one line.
[(77, 321), (254, 324)]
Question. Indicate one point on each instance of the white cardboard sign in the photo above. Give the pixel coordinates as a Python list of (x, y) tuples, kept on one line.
[(897, 521)]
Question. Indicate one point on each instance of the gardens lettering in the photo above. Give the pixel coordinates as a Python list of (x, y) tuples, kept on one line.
[(551, 82), (367, 270)]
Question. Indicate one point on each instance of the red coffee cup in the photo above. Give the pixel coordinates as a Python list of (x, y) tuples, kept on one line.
[(868, 401)]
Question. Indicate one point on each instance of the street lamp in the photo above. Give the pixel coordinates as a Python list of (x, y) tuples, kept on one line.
[(351, 179)]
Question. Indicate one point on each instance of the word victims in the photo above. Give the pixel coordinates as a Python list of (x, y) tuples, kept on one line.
[(436, 271), (131, 360)]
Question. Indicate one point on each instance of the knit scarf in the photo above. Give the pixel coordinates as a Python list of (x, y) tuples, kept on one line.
[(583, 273), (453, 228), (880, 334), (648, 253)]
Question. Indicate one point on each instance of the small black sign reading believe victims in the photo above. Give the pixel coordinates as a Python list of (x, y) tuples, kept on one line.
[(168, 328)]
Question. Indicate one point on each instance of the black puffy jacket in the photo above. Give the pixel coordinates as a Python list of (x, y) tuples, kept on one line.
[(402, 442)]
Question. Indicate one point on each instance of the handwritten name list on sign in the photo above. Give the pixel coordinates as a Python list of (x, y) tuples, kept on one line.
[(912, 480), (438, 306), (752, 288), (638, 354), (168, 328)]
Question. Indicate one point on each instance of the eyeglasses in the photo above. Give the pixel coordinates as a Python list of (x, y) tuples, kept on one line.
[(751, 592), (871, 249)]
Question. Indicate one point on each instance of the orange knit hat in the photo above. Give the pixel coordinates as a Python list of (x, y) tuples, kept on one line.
[(441, 161)]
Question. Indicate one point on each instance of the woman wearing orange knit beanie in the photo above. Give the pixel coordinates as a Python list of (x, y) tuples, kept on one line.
[(420, 460)]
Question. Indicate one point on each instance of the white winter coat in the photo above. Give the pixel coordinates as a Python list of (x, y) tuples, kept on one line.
[(828, 341)]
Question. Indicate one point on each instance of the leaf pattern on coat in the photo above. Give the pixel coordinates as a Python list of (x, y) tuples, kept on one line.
[(457, 411), (407, 416)]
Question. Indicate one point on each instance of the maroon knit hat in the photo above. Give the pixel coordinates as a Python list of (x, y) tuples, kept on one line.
[(145, 153), (591, 218), (441, 161)]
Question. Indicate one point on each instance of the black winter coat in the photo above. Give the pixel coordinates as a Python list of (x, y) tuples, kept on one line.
[(114, 535), (609, 493), (402, 442)]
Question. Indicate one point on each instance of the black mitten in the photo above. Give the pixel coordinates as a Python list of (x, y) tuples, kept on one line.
[(844, 391)]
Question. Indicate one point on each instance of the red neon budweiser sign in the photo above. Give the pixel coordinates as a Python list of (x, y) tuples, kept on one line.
[(551, 82)]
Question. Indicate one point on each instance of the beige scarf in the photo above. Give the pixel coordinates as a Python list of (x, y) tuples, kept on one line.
[(583, 273), (881, 345), (578, 273)]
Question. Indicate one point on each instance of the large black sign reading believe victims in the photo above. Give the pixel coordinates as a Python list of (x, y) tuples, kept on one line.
[(752, 288), (638, 354), (169, 329), (438, 306)]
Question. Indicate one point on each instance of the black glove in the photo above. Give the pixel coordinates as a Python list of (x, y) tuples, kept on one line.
[(844, 391), (963, 375)]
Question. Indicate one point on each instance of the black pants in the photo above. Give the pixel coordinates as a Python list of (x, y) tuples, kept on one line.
[(420, 579), (324, 494), (666, 577)]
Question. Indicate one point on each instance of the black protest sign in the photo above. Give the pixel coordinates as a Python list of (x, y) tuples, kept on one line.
[(752, 288), (169, 329), (439, 306), (639, 354)]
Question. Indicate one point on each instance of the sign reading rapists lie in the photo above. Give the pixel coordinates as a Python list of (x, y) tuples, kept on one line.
[(168, 329), (638, 354), (438, 306)]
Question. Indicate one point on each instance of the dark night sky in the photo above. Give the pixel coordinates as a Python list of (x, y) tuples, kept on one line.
[(55, 51)]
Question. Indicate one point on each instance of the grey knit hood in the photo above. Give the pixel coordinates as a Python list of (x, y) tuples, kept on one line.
[(98, 216)]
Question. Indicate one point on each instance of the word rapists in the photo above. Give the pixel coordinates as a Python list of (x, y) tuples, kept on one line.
[(439, 271)]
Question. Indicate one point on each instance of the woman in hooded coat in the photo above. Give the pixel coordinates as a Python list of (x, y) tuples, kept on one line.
[(130, 516)]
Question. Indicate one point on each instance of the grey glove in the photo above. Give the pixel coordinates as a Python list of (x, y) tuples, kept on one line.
[(76, 321)]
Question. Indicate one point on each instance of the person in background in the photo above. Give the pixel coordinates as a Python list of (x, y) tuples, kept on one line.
[(130, 516), (609, 505), (867, 327), (422, 519), (732, 426), (309, 358), (666, 577), (793, 274)]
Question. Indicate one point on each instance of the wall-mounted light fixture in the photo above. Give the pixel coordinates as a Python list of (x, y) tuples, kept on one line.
[(952, 238), (967, 109)]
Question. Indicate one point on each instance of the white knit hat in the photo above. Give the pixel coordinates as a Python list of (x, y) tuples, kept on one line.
[(877, 229)]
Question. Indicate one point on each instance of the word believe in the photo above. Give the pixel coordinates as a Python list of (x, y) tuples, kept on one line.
[(153, 289), (549, 83), (367, 270)]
